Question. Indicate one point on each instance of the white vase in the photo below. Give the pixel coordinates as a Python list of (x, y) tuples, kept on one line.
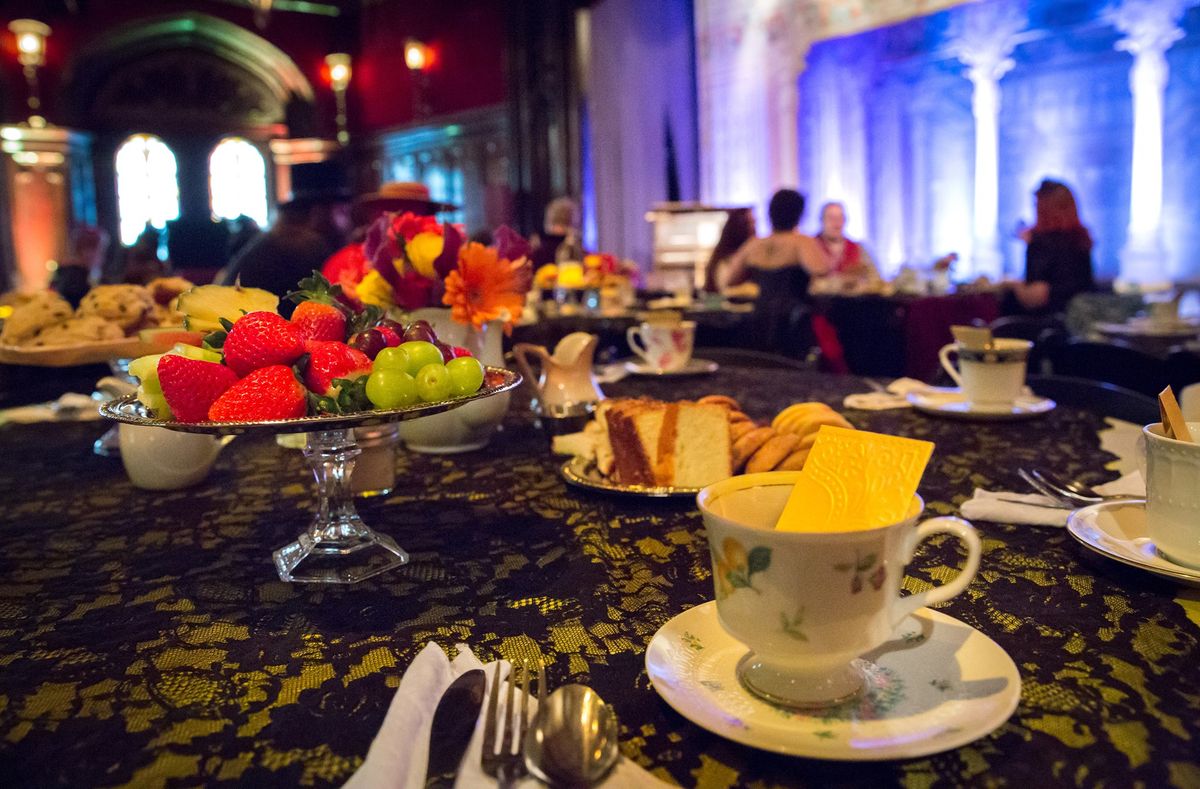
[(468, 427)]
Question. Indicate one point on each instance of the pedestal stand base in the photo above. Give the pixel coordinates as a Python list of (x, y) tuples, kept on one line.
[(340, 561)]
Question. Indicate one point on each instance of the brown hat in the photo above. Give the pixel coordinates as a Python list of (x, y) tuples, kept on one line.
[(403, 196)]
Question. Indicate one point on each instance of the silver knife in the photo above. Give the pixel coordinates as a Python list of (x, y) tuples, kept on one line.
[(453, 723)]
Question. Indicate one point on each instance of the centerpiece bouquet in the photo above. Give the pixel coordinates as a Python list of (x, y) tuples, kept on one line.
[(410, 262)]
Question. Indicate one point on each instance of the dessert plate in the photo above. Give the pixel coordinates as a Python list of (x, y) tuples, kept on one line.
[(1148, 327), (693, 367), (937, 685), (954, 404), (582, 474), (1117, 530)]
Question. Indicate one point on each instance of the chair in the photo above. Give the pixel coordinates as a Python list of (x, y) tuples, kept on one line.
[(744, 357), (1111, 362), (1026, 327), (1102, 398)]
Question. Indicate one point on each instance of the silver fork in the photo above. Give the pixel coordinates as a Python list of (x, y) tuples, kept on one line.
[(508, 764), (1068, 495)]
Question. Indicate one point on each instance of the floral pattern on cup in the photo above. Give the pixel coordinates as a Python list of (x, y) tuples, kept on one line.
[(735, 567), (860, 566), (792, 625)]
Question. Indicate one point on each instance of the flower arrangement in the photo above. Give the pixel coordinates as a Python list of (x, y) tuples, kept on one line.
[(596, 271), (409, 262)]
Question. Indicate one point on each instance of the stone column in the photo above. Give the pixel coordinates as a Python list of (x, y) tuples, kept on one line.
[(1150, 28), (986, 39)]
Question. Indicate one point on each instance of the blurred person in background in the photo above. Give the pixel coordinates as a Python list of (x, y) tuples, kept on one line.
[(1058, 255), (560, 238), (738, 229), (77, 273), (307, 231), (849, 260), (782, 265)]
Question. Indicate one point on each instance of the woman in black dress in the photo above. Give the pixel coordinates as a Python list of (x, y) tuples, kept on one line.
[(1058, 258)]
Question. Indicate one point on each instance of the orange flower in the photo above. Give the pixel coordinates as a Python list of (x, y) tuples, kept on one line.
[(483, 287)]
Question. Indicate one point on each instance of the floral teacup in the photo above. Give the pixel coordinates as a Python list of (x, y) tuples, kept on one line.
[(808, 604)]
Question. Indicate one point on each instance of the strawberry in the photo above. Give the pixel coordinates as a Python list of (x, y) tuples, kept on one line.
[(321, 314), (266, 393), (261, 339), (316, 321), (328, 361), (191, 386)]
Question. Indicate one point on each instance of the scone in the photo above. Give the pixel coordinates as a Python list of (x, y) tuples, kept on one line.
[(125, 305), (76, 331), (41, 310)]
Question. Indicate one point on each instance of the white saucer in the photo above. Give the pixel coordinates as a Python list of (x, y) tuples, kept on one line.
[(954, 404), (937, 685), (693, 367), (1117, 530)]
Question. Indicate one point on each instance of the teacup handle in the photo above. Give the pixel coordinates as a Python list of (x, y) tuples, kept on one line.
[(940, 594), (944, 358), (633, 336)]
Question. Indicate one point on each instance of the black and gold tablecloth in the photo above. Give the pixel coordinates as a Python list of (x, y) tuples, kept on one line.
[(145, 639)]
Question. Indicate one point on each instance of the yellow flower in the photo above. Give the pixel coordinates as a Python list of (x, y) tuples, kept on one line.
[(546, 275), (374, 289), (423, 250), (570, 275)]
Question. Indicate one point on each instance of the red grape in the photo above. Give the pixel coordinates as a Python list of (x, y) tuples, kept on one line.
[(370, 342), (420, 331), (447, 351), (390, 335)]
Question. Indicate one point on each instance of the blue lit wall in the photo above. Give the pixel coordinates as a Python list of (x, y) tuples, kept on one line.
[(885, 125)]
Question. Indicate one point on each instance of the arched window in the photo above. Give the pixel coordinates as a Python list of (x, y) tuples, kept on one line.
[(237, 181), (147, 189)]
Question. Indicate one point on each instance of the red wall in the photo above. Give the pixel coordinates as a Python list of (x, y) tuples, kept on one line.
[(467, 37), (305, 38), (468, 40)]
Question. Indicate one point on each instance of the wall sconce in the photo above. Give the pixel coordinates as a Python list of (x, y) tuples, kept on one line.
[(31, 53), (416, 55), (340, 72)]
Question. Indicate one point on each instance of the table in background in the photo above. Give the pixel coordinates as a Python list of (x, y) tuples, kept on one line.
[(146, 639), (897, 335)]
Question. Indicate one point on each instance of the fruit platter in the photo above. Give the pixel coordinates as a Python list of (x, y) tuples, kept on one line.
[(329, 368)]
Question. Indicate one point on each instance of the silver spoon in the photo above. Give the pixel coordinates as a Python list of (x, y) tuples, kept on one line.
[(574, 738)]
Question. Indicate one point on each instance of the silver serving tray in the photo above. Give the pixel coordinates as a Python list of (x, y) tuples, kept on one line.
[(128, 410), (581, 474)]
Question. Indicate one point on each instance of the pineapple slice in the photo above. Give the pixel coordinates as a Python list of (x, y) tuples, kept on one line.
[(204, 306)]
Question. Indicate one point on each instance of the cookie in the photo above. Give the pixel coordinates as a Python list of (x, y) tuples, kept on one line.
[(78, 331), (125, 305), (36, 313), (772, 453)]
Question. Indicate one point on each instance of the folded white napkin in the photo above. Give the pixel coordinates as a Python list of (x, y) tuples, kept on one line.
[(1034, 509), (399, 755), (68, 408), (895, 396)]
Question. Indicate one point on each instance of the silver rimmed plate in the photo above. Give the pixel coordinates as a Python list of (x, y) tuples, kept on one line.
[(582, 474), (954, 404), (128, 410), (693, 367), (1117, 530), (936, 685)]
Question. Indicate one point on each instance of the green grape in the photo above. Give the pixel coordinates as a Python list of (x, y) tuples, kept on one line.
[(391, 359), (388, 388), (420, 354), (466, 375), (433, 382), (155, 402)]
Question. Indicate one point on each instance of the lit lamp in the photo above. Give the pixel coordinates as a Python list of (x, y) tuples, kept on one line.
[(418, 56), (339, 79), (31, 53)]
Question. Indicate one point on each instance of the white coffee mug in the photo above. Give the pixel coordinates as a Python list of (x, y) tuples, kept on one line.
[(991, 377), (808, 604), (1173, 494), (663, 346), (159, 459)]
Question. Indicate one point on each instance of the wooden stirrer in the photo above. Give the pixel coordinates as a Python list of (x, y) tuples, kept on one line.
[(1173, 421), (975, 338)]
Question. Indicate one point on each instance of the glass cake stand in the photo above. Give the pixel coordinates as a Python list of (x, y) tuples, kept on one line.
[(337, 547)]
